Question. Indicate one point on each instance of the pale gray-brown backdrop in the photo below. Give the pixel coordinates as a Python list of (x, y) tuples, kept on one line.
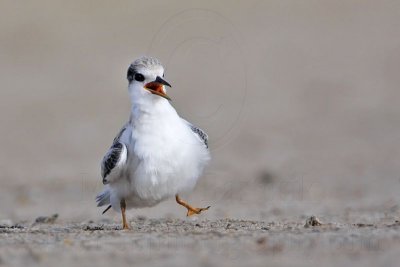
[(300, 99)]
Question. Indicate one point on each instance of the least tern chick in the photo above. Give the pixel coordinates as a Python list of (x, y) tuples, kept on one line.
[(156, 154)]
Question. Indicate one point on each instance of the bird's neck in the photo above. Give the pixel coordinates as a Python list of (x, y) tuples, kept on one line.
[(152, 109)]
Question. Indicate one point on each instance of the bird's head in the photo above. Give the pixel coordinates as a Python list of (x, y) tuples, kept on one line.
[(146, 79)]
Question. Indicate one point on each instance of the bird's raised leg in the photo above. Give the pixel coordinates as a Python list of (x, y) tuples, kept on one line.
[(125, 225), (191, 210)]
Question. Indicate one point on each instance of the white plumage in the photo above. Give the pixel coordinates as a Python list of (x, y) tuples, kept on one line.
[(157, 154)]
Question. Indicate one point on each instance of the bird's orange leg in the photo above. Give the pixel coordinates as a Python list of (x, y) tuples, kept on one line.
[(191, 210), (125, 225)]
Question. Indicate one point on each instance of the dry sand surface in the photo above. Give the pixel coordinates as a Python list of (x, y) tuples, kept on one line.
[(300, 100), (222, 242)]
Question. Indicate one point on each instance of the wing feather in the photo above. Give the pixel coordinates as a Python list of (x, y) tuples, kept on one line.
[(112, 159), (198, 132), (115, 159)]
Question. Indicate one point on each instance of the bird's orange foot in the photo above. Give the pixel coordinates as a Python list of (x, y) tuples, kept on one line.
[(125, 226), (190, 210)]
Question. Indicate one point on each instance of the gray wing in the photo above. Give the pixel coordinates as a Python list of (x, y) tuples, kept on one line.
[(111, 159), (199, 133), (115, 159)]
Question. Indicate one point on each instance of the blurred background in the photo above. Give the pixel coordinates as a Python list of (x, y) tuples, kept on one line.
[(300, 100)]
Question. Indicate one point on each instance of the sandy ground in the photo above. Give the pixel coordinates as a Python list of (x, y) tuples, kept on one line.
[(300, 100), (224, 242)]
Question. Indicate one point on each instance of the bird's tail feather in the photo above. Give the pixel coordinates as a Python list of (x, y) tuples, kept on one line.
[(104, 211), (103, 198)]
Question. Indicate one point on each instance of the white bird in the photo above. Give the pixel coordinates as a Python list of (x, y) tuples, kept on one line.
[(156, 154)]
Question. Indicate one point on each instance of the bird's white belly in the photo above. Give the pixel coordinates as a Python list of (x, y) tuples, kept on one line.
[(163, 165)]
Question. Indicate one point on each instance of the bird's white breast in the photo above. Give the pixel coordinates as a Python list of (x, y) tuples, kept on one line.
[(166, 156)]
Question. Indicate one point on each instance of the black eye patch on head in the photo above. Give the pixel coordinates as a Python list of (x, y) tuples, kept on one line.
[(131, 73), (134, 75)]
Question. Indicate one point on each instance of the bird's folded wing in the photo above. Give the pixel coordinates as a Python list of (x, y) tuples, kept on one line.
[(114, 162), (115, 159), (198, 132)]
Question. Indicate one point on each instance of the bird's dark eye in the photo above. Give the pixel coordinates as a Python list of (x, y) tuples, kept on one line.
[(163, 75), (139, 77)]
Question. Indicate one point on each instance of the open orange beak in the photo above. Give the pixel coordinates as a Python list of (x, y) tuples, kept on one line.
[(156, 87)]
